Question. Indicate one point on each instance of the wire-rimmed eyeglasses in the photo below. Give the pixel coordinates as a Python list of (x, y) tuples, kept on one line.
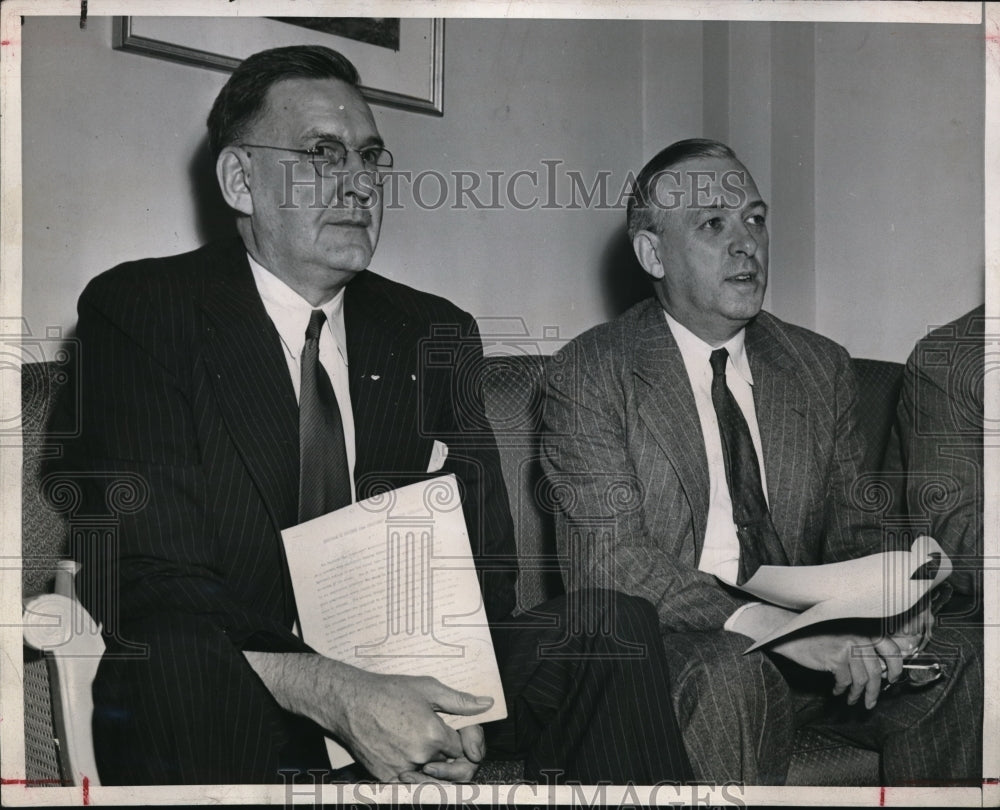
[(919, 670), (329, 157)]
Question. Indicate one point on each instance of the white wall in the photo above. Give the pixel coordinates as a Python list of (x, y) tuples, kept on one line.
[(672, 89), (899, 188), (865, 138), (108, 142), (113, 151), (517, 93), (867, 141), (793, 158)]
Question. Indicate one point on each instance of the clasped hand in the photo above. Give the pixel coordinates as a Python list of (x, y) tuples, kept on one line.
[(859, 663), (391, 725), (388, 722)]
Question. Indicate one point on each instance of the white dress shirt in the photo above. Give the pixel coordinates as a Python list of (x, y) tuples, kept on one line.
[(290, 312), (720, 554)]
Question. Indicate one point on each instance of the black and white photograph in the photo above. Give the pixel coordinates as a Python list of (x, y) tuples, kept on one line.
[(550, 404)]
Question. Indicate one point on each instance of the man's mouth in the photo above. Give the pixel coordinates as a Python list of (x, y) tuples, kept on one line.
[(353, 222), (743, 278)]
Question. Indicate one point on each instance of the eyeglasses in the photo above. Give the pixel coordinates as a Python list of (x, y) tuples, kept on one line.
[(329, 157), (919, 670)]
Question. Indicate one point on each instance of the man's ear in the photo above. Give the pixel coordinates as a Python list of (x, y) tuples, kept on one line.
[(233, 172), (647, 247)]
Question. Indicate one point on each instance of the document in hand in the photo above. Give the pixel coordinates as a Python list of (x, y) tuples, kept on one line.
[(389, 585), (872, 587)]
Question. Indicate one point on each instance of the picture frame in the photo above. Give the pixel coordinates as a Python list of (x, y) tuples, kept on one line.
[(410, 78)]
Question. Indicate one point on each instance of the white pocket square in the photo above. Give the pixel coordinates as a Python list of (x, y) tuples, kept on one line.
[(438, 456)]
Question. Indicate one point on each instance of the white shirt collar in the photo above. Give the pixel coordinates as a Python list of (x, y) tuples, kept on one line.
[(696, 352), (290, 312)]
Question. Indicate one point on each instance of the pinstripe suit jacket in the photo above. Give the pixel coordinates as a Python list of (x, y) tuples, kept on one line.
[(624, 453), (184, 384)]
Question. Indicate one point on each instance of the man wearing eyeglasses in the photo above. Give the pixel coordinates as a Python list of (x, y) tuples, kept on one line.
[(259, 382)]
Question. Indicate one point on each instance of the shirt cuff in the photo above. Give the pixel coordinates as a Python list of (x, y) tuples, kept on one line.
[(736, 614)]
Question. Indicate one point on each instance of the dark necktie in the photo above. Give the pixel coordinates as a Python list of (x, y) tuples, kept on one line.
[(324, 480), (759, 543)]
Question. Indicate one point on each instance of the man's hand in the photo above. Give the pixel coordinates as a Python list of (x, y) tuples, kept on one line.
[(390, 725), (913, 632), (855, 661), (388, 722), (459, 769)]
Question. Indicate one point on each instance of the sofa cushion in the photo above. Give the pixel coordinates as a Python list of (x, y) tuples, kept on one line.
[(514, 394), (43, 528)]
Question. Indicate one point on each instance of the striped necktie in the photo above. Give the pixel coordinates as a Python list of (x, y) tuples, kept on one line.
[(759, 543)]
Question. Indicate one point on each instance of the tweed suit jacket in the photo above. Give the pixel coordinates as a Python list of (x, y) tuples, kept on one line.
[(625, 459), (185, 390)]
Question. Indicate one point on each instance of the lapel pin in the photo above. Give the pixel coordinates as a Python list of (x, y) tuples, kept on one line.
[(376, 377)]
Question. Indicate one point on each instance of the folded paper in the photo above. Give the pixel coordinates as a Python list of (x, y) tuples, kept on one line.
[(872, 587)]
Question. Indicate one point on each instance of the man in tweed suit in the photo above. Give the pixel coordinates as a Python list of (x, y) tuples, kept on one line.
[(190, 385), (632, 441)]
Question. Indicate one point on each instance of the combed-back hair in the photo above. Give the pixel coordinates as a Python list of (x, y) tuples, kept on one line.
[(243, 97), (641, 214)]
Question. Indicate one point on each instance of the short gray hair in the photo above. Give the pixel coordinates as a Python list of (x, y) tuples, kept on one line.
[(242, 98), (640, 214)]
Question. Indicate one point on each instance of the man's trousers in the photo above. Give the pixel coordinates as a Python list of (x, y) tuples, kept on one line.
[(738, 713), (585, 683)]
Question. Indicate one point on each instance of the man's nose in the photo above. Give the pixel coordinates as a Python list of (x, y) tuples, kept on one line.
[(357, 185), (354, 180), (742, 243)]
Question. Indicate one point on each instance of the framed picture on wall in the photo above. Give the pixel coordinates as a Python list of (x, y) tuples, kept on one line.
[(401, 60)]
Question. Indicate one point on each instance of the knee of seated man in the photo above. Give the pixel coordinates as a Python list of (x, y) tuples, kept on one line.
[(165, 630), (154, 650), (163, 715), (702, 663), (957, 647), (611, 624), (604, 611)]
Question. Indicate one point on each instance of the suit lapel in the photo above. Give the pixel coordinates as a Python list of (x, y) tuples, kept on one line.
[(383, 359), (249, 376), (666, 405), (783, 417)]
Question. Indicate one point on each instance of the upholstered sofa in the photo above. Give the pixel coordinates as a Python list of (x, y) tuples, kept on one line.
[(515, 401)]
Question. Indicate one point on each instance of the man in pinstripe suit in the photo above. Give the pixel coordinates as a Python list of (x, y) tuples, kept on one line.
[(632, 433), (189, 385)]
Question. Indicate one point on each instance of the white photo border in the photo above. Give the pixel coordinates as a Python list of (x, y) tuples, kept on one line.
[(17, 793)]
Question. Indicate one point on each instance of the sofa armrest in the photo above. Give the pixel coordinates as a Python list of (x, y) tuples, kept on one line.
[(60, 627)]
